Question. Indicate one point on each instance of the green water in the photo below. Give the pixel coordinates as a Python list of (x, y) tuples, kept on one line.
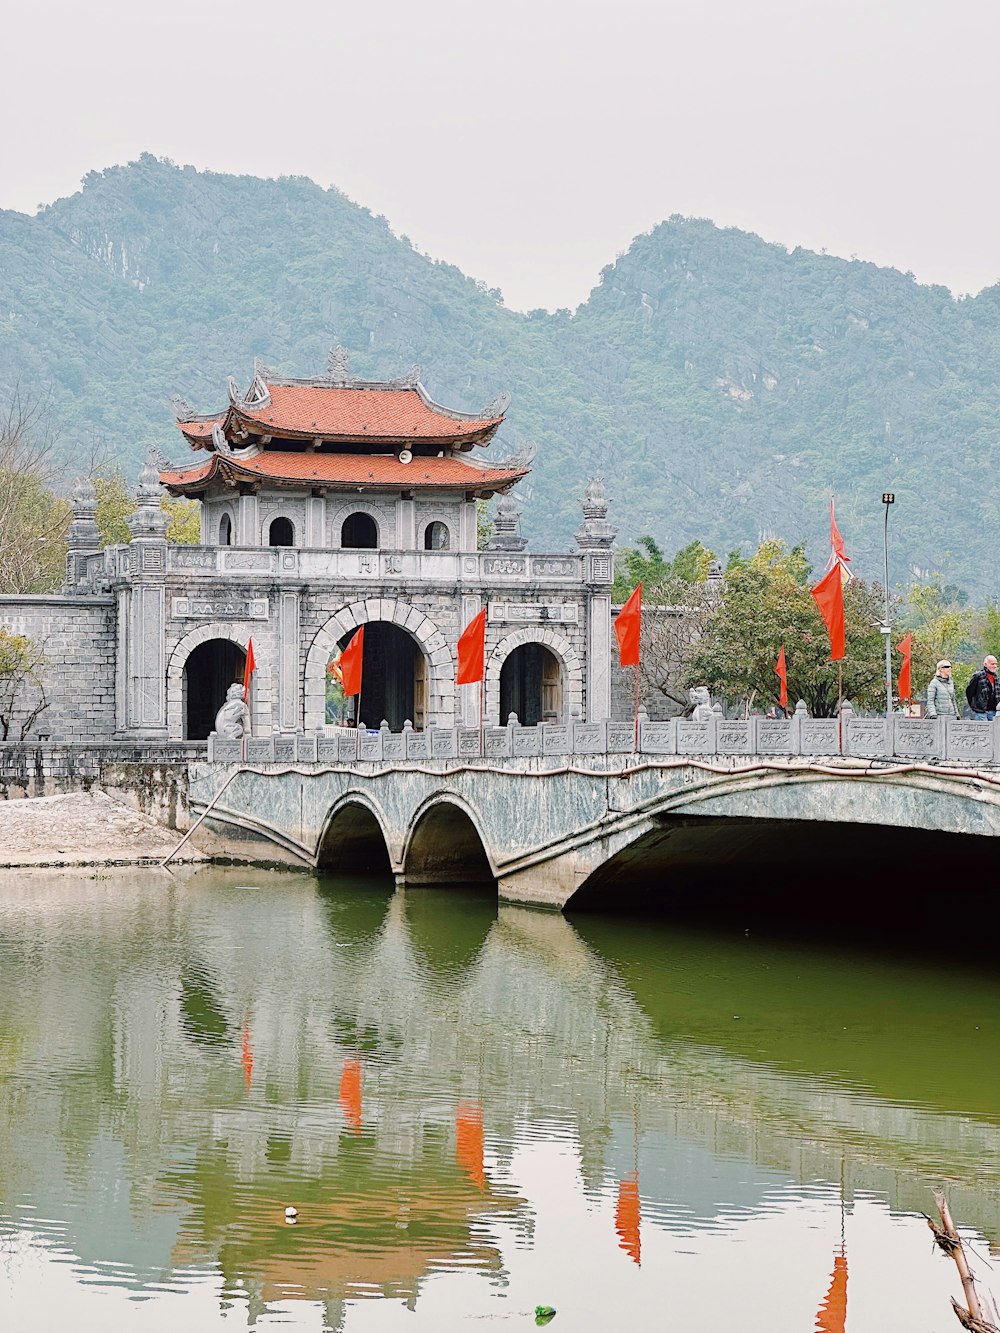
[(474, 1112)]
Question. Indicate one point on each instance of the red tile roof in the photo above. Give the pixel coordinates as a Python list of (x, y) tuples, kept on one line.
[(362, 471), (337, 412)]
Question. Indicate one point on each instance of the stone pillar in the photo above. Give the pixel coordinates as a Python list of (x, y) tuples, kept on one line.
[(289, 696), (145, 684), (594, 537), (247, 518), (406, 523), (315, 533), (84, 537), (468, 534), (467, 712)]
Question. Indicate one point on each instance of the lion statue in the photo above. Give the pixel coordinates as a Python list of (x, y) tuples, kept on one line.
[(233, 718), (702, 703)]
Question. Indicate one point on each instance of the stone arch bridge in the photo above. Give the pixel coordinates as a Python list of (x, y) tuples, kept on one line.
[(590, 829)]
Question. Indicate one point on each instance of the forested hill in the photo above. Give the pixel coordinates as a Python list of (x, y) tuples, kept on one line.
[(723, 387)]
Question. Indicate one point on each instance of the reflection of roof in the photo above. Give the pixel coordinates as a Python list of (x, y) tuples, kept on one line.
[(357, 411), (359, 471)]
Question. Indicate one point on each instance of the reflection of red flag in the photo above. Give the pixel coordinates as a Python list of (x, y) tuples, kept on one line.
[(469, 1141), (782, 674), (904, 686), (350, 1093), (350, 663), (472, 650), (628, 626), (832, 1314), (828, 595), (249, 669), (246, 1057), (627, 1215)]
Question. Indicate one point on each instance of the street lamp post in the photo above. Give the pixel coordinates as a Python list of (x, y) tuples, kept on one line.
[(888, 498)]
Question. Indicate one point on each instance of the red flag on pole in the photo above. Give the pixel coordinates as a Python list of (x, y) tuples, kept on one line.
[(628, 627), (472, 650), (828, 595), (781, 673), (904, 685), (836, 540), (350, 663), (249, 669)]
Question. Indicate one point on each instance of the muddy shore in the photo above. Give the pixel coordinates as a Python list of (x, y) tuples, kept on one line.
[(84, 829)]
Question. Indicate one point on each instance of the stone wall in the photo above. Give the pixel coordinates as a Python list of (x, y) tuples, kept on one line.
[(77, 635)]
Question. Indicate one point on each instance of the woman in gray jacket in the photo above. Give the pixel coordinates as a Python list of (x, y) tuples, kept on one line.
[(941, 693)]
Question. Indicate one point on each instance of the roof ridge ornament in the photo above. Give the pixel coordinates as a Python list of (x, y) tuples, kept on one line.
[(338, 365), (182, 409), (220, 442), (497, 408), (261, 369), (408, 381)]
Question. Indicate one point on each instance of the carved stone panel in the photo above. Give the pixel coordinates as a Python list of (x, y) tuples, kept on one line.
[(734, 737), (658, 738), (260, 750), (444, 743), (327, 749), (260, 560), (534, 612), (774, 735), (369, 745), (284, 749), (496, 742), (695, 737), (526, 741), (865, 738), (192, 559), (819, 735), (555, 738), (554, 566), (621, 737), (917, 738), (590, 738), (504, 564), (219, 608), (468, 742), (970, 741), (347, 745), (417, 746), (227, 752), (393, 746)]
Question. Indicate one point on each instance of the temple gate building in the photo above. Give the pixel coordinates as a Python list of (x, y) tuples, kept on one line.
[(326, 504)]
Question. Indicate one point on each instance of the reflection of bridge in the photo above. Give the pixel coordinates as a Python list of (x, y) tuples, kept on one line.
[(558, 813)]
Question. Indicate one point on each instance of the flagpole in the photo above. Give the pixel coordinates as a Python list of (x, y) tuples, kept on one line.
[(482, 712), (637, 707), (840, 707)]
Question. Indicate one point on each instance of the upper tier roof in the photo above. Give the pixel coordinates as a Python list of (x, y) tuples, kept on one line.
[(340, 410)]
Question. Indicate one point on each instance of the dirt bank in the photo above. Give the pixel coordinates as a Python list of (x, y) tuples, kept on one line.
[(83, 828)]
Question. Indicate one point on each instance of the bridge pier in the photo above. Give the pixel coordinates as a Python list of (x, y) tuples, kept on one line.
[(549, 884)]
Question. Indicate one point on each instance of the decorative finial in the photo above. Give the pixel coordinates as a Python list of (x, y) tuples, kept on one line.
[(507, 527), (339, 364), (497, 408), (595, 532), (183, 410)]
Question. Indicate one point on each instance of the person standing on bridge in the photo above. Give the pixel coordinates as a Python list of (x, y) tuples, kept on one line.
[(941, 700), (981, 691)]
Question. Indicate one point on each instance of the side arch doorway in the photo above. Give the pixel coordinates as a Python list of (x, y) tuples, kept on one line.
[(531, 686), (208, 673), (393, 679)]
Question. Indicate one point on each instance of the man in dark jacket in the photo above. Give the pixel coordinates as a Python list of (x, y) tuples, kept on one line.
[(982, 692)]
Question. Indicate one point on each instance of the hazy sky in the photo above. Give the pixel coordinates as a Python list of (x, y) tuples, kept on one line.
[(528, 143)]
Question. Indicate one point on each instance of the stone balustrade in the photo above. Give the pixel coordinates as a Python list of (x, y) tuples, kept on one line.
[(900, 739)]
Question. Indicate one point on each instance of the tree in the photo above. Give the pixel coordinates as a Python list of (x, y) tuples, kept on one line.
[(766, 603), (22, 688), (33, 520)]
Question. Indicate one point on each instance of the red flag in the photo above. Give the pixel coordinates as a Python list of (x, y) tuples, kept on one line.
[(246, 1057), (472, 650), (832, 1314), (628, 626), (248, 670), (628, 1216), (836, 541), (350, 663), (904, 686), (781, 673), (828, 595)]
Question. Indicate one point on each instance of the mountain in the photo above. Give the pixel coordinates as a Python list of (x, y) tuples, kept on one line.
[(722, 386)]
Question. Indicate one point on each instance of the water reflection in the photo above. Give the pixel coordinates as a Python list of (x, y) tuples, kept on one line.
[(473, 1110)]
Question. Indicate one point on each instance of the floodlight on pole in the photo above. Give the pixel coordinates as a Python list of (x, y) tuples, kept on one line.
[(888, 498)]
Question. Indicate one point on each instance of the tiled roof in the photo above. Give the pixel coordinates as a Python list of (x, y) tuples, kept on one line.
[(354, 470), (345, 413)]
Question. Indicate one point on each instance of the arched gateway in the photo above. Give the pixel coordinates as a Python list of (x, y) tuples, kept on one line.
[(328, 503)]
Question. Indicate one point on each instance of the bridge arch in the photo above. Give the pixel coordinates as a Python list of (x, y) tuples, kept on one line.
[(260, 695), (354, 837), (561, 649), (440, 707), (445, 845)]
